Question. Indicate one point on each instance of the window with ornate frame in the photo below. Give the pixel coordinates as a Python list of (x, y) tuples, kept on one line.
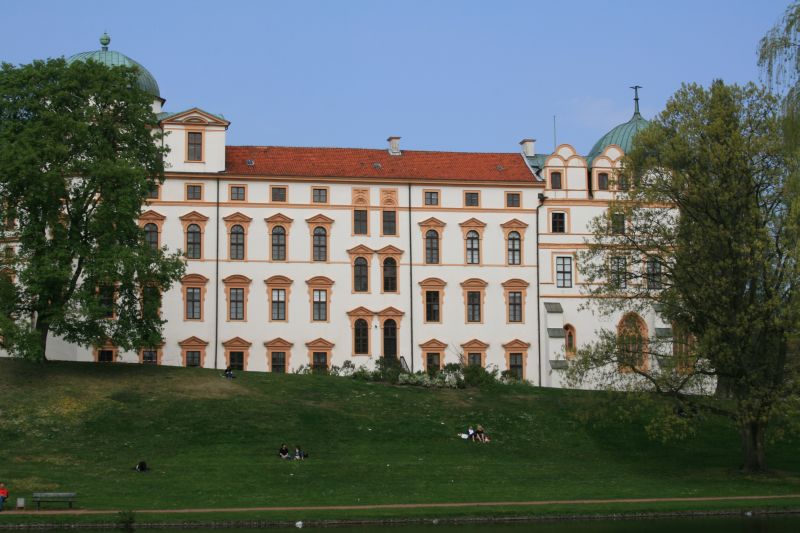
[(432, 299), (474, 291), (319, 295)]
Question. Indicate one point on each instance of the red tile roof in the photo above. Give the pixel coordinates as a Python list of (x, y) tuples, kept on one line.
[(377, 164)]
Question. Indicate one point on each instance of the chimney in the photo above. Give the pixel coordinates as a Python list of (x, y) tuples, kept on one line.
[(394, 145), (528, 147)]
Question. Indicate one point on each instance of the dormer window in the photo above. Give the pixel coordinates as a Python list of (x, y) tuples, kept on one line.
[(195, 146), (555, 180)]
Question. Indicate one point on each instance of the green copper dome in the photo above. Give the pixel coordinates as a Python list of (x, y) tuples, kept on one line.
[(621, 135), (112, 58)]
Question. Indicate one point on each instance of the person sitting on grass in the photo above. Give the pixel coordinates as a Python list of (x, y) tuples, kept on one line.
[(480, 435), (229, 372), (3, 494), (283, 452), (299, 454)]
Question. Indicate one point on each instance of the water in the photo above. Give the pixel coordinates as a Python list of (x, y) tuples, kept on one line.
[(756, 524)]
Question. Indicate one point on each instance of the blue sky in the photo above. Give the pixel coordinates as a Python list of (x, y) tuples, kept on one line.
[(443, 74)]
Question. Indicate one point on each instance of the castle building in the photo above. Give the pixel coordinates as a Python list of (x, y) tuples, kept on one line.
[(310, 257)]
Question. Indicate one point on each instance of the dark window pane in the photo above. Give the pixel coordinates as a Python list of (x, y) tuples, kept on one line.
[(390, 222), (389, 275), (192, 358), (236, 304), (432, 306), (471, 199), (237, 193), (193, 303), (195, 146), (512, 199), (236, 360), (654, 273), (278, 243), (360, 222), (515, 364), (434, 362), (564, 272), (319, 196), (515, 306), (474, 359), (107, 301), (602, 181), (473, 248), (278, 362), (618, 223), (514, 248), (105, 356), (193, 235), (194, 192), (320, 362), (559, 222), (278, 304), (149, 357), (320, 244), (619, 272), (237, 242), (278, 194), (555, 180), (360, 275), (361, 333), (320, 305), (390, 338), (473, 306), (431, 247), (151, 235), (431, 198)]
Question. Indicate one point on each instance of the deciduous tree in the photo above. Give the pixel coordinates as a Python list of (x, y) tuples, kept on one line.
[(708, 235), (79, 150)]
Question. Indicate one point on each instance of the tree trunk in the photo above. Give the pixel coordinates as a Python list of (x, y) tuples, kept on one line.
[(43, 328), (752, 434)]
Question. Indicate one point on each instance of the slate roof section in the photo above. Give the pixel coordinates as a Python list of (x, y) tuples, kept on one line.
[(556, 333), (553, 307), (378, 164)]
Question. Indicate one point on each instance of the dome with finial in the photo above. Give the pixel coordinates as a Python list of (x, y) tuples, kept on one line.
[(621, 135), (113, 58)]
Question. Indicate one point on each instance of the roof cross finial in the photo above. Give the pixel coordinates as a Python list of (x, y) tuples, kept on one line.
[(636, 98)]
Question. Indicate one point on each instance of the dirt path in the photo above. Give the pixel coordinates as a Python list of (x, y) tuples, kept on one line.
[(405, 505)]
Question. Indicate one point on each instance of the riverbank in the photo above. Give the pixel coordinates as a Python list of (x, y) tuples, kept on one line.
[(212, 443)]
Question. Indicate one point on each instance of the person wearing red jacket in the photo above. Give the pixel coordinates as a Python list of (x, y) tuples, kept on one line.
[(3, 494)]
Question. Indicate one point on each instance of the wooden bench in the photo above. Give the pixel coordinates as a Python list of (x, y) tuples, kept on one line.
[(40, 497)]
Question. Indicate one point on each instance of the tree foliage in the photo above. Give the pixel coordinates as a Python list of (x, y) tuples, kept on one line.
[(79, 150), (708, 234)]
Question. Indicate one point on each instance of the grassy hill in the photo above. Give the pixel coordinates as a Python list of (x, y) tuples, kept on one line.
[(212, 442)]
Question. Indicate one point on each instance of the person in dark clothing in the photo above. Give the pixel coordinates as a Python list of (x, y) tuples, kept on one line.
[(229, 372), (283, 452)]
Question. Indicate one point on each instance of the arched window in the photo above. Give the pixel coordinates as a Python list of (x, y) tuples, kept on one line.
[(473, 248), (151, 235), (632, 343), (569, 341), (361, 334), (389, 275), (360, 275), (278, 243), (320, 244), (390, 338), (237, 242), (514, 248), (431, 247), (193, 242)]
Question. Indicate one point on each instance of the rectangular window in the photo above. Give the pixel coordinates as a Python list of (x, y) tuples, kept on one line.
[(390, 222), (618, 223), (107, 301), (278, 362), (515, 306), (152, 193), (195, 146), (193, 303), (278, 194), (360, 222), (432, 306), (319, 196), (564, 272), (434, 361), (512, 199), (471, 199), (474, 359), (320, 310), (654, 273), (236, 360), (515, 364), (319, 361), (236, 304), (431, 197), (237, 193), (559, 223), (555, 180), (473, 306), (105, 356), (192, 358), (619, 272), (149, 357), (194, 192), (278, 304), (602, 181)]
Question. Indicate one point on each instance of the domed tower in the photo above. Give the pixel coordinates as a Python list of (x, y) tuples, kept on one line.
[(112, 58), (622, 134)]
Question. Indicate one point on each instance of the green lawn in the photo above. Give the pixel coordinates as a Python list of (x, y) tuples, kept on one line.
[(212, 443)]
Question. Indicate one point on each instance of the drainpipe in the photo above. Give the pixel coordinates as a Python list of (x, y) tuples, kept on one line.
[(216, 281), (410, 279), (542, 198)]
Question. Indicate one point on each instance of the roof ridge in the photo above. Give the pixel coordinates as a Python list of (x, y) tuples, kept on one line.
[(368, 149)]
